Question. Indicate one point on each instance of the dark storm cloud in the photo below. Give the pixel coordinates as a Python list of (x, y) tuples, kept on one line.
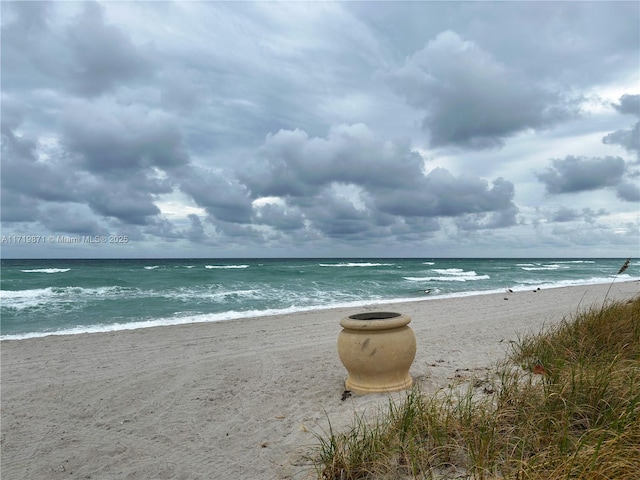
[(629, 192), (86, 56), (17, 207), (26, 175), (579, 174), (488, 221), (472, 100), (115, 163), (122, 201), (389, 177), (28, 46), (629, 104), (195, 233), (113, 112), (70, 219), (122, 139), (104, 55), (440, 193), (280, 217), (220, 195), (337, 217), (567, 214), (628, 139), (291, 163)]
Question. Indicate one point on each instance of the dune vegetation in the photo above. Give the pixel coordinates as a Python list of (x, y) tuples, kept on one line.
[(564, 403)]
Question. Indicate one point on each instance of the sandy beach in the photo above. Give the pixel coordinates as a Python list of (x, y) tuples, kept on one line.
[(238, 399)]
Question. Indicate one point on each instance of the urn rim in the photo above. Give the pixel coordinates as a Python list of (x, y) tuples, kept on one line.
[(375, 321)]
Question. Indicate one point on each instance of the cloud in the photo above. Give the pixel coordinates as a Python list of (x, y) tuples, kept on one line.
[(629, 104), (580, 174), (223, 197), (103, 55), (27, 175), (290, 163), (86, 56), (628, 139), (113, 139), (471, 99), (74, 219), (339, 127), (629, 192), (279, 216), (350, 183), (196, 232), (567, 214)]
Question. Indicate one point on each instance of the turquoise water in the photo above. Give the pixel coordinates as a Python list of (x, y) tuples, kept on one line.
[(43, 297)]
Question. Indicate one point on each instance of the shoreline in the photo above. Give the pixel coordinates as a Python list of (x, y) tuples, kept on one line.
[(235, 399), (255, 315)]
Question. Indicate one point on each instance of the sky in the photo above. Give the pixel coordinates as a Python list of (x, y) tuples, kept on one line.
[(320, 129)]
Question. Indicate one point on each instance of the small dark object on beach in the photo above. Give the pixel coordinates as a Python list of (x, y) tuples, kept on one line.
[(346, 394)]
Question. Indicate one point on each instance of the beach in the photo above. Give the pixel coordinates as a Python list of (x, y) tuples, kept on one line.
[(235, 399)]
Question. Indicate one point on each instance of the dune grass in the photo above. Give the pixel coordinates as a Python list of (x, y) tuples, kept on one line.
[(564, 404)]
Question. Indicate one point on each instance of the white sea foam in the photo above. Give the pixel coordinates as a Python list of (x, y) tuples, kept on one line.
[(448, 279), (576, 261), (553, 266), (188, 318), (449, 275), (21, 299), (195, 294), (226, 266), (46, 270), (152, 267), (358, 264)]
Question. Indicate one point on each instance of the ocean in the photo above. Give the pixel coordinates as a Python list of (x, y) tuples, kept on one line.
[(66, 297)]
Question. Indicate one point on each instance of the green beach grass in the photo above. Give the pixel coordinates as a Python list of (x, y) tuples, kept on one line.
[(564, 404)]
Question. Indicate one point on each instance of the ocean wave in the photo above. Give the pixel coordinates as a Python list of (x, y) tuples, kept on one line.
[(449, 275), (186, 294), (576, 261), (152, 267), (38, 297), (191, 317), (542, 267), (21, 299), (46, 270), (453, 278), (358, 264), (196, 318), (226, 266)]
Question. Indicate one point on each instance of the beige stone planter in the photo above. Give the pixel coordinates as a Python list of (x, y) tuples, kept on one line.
[(377, 349)]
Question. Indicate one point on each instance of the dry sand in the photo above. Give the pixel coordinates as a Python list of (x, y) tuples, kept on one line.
[(232, 400)]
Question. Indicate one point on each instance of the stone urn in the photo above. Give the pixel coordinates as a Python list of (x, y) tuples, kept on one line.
[(377, 349)]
